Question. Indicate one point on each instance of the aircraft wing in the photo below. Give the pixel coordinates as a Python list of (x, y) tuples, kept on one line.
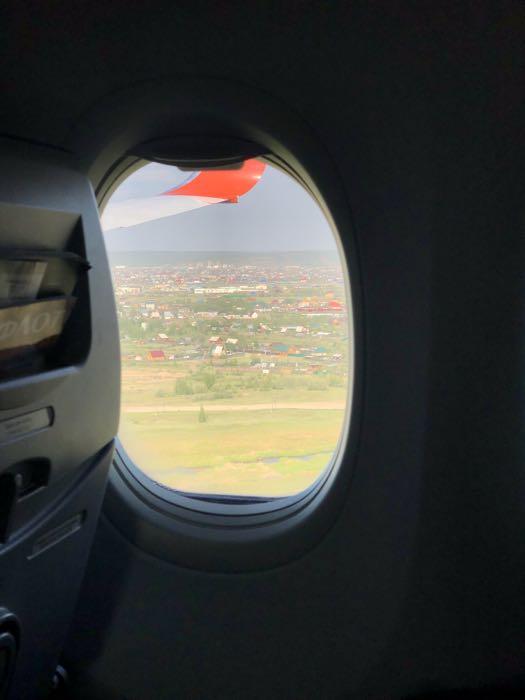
[(204, 188)]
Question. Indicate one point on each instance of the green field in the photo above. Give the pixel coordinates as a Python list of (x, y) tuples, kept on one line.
[(265, 452), (254, 435)]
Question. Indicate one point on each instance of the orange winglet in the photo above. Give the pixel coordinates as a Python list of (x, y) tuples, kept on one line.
[(228, 185)]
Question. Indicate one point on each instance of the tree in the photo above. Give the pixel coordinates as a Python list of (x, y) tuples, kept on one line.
[(209, 380), (202, 415)]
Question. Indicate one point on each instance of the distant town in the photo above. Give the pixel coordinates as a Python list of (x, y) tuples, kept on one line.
[(214, 309)]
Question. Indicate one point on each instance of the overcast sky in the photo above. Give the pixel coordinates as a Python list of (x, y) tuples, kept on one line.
[(276, 215)]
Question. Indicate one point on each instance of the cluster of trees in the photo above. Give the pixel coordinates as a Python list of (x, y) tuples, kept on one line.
[(186, 386)]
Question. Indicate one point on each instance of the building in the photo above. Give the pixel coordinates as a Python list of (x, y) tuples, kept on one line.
[(156, 355), (279, 349)]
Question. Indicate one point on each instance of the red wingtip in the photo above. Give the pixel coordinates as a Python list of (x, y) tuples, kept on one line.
[(223, 184)]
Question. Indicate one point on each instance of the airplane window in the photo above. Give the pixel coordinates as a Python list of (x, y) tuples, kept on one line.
[(235, 329)]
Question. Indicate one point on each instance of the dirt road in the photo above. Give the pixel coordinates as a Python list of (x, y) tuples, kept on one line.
[(307, 406)]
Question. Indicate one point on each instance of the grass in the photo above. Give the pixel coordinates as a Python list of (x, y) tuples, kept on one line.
[(277, 444), (251, 452)]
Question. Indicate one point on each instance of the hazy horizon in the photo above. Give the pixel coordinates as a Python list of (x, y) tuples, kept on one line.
[(156, 258)]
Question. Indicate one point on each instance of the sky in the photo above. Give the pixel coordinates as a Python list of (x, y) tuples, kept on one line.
[(276, 215)]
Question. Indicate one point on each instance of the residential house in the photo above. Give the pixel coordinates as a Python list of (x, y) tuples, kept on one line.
[(156, 355)]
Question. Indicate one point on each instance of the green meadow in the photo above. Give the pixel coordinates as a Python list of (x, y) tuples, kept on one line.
[(250, 452)]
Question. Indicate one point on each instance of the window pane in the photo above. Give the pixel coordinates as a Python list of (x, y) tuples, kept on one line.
[(235, 329)]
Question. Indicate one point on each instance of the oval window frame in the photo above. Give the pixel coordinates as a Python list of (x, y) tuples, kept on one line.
[(188, 530)]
